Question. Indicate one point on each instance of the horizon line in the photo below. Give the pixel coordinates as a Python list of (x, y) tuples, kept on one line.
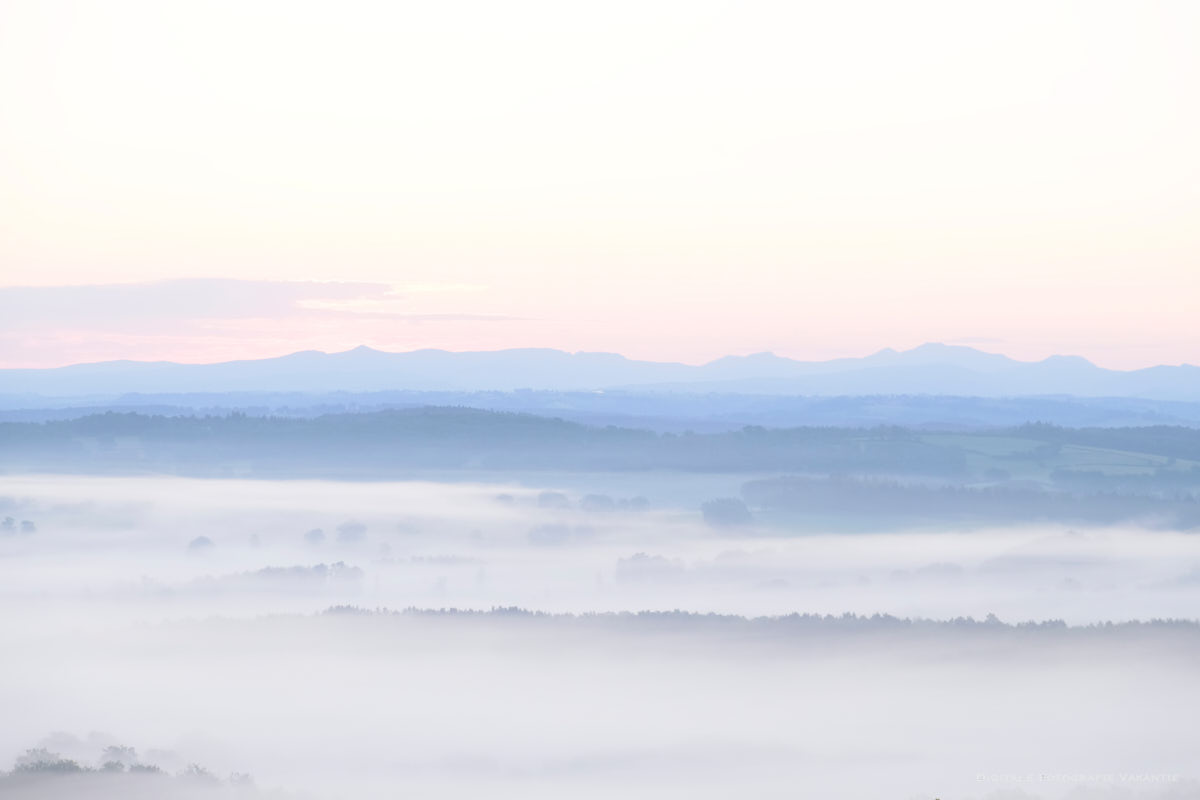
[(761, 353)]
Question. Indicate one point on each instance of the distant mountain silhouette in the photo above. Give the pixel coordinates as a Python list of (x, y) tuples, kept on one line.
[(933, 369)]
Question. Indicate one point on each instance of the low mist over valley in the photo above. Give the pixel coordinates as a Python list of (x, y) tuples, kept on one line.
[(655, 400), (448, 601)]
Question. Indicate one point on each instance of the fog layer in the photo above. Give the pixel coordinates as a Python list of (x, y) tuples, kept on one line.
[(190, 618)]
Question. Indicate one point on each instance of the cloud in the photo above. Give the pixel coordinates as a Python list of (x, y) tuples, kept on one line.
[(439, 288), (125, 306), (219, 318), (118, 304)]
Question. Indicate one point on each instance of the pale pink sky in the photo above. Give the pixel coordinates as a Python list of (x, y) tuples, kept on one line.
[(667, 180)]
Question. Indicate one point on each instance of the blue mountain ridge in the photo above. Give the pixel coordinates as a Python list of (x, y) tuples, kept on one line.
[(931, 369)]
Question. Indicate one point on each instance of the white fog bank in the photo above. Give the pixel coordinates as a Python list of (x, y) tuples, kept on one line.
[(187, 619)]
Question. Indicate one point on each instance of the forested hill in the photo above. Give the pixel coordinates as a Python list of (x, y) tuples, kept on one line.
[(391, 442), (398, 442)]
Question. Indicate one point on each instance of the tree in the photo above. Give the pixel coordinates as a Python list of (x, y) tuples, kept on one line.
[(638, 503), (597, 502), (351, 532), (553, 500), (726, 512), (119, 754), (40, 759), (198, 774)]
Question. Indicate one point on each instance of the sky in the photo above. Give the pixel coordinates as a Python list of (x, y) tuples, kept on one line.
[(200, 181)]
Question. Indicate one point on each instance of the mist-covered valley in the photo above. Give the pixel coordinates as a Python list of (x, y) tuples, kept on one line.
[(557, 400), (248, 547), (577, 634)]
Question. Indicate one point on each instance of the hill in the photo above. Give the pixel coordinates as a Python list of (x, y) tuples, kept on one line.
[(932, 369)]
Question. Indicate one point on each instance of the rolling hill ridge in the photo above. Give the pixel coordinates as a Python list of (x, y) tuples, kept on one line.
[(931, 369)]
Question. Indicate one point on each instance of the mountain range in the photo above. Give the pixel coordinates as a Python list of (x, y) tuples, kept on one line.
[(931, 369)]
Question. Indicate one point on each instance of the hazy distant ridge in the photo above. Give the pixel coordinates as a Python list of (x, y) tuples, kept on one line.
[(928, 369)]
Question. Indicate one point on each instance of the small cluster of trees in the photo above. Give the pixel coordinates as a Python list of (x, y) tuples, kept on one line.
[(201, 544), (788, 623), (336, 575), (115, 759), (349, 532), (589, 502), (726, 512), (898, 501), (9, 526)]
